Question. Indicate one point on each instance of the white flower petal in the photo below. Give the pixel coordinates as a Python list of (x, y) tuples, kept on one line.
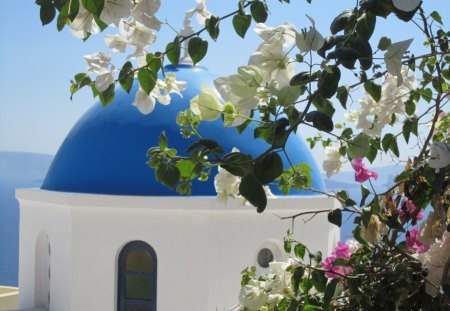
[(104, 80), (144, 103), (393, 58)]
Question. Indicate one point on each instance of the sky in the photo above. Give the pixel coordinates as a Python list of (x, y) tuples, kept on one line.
[(37, 62)]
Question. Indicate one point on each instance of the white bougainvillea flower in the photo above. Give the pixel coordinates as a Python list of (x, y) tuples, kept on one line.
[(274, 63), (144, 12), (226, 184), (137, 35), (406, 5), (143, 102), (393, 58), (172, 85), (285, 33), (253, 296), (116, 43), (83, 24), (98, 62), (332, 163), (114, 10), (310, 40), (206, 105), (439, 155), (104, 80)]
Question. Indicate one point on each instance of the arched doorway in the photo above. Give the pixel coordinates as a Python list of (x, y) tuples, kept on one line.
[(42, 271), (137, 277)]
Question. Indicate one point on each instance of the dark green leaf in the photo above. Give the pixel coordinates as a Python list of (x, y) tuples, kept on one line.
[(302, 78), (94, 6), (335, 217), (107, 96), (343, 20), (205, 145), (320, 121), (126, 76), (366, 25), (268, 167), (297, 277), (319, 280), (167, 174), (212, 27), (252, 190), (347, 56), (47, 12), (147, 79), (342, 95), (437, 17), (364, 194), (329, 82), (373, 89), (173, 51), (364, 49), (237, 163), (389, 142), (259, 12), (197, 49), (241, 23), (384, 43), (154, 61), (300, 250)]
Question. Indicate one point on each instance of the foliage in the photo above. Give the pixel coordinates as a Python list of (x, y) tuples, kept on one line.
[(392, 263)]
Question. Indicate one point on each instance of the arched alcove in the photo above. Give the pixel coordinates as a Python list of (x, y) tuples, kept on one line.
[(42, 271), (137, 276)]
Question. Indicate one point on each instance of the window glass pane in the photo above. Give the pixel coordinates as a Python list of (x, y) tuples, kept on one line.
[(138, 287), (139, 261), (136, 306)]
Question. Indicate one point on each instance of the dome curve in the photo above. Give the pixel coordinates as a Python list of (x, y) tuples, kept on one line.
[(105, 152)]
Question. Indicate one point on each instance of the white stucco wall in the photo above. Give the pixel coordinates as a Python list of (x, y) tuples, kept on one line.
[(201, 245)]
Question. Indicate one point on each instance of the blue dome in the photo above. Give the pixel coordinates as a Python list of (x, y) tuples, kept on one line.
[(105, 152)]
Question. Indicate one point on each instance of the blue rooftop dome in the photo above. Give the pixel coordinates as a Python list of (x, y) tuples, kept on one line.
[(105, 152)]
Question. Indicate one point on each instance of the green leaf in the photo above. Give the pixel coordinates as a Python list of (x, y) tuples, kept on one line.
[(126, 77), (107, 96), (188, 169), (319, 280), (364, 194), (197, 49), (300, 250), (94, 6), (427, 94), (384, 43), (342, 21), (288, 95), (359, 146), (329, 292), (167, 174), (335, 217), (320, 120), (373, 89), (342, 95), (435, 15), (366, 25), (162, 141), (154, 61), (241, 23), (364, 48), (297, 277), (329, 82), (237, 163), (259, 12), (252, 190), (212, 27), (302, 78), (147, 79), (389, 142), (47, 12), (268, 167), (173, 51)]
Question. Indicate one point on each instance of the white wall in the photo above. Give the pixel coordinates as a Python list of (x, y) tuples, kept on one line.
[(201, 244)]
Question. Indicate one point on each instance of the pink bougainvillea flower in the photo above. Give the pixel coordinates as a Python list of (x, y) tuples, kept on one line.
[(361, 172), (409, 208), (342, 250), (413, 243)]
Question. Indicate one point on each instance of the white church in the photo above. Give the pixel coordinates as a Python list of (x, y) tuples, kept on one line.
[(102, 234)]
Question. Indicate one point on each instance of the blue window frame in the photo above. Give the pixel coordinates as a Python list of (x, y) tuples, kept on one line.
[(137, 277)]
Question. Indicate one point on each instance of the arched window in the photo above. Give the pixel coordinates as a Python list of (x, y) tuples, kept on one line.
[(137, 277)]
